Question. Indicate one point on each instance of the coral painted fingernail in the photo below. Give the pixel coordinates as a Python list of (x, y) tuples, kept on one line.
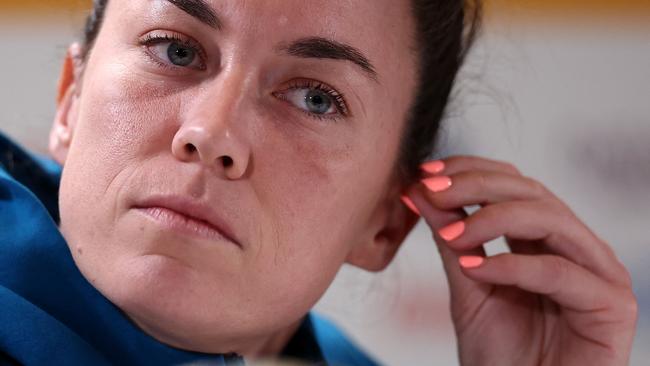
[(453, 231), (433, 167), (470, 261), (437, 184), (409, 203)]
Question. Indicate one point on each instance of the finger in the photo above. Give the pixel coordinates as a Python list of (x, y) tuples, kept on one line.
[(563, 281), (460, 163), (526, 189), (462, 289), (470, 180), (537, 223), (481, 187)]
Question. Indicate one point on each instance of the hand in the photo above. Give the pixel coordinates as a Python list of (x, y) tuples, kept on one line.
[(561, 297)]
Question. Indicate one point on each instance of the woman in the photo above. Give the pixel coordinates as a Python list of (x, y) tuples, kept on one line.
[(222, 160)]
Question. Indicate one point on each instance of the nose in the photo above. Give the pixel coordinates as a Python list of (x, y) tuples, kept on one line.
[(211, 132)]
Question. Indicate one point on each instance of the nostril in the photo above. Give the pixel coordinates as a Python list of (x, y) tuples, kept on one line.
[(227, 161), (190, 148)]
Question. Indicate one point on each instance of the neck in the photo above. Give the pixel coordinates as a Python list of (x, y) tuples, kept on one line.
[(269, 346)]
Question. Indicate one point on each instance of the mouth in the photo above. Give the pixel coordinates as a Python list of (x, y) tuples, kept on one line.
[(187, 217)]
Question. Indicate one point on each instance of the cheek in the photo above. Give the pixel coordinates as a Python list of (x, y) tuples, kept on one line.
[(124, 113), (322, 186), (320, 203), (115, 131), (311, 190), (122, 119)]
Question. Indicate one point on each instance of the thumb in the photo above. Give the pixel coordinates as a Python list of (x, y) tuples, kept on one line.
[(465, 293)]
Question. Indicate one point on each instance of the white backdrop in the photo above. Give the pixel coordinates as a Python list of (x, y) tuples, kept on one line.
[(569, 104)]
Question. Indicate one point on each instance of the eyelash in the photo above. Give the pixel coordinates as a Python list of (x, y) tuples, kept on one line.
[(152, 40), (337, 98)]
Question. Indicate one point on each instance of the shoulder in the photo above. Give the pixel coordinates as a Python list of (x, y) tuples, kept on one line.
[(336, 346)]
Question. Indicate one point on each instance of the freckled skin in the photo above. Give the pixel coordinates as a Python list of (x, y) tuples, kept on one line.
[(302, 195)]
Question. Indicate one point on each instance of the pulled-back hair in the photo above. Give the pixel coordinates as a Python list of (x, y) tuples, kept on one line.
[(445, 31)]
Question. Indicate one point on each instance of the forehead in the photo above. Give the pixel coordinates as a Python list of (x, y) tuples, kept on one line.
[(350, 15), (381, 29)]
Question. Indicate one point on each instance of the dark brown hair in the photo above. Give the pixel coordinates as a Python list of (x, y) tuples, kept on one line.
[(445, 31)]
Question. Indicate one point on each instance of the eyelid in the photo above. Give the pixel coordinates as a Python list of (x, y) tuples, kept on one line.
[(337, 98), (161, 36)]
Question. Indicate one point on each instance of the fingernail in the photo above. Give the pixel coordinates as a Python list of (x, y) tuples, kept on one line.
[(452, 231), (437, 184), (470, 261), (409, 203), (433, 167)]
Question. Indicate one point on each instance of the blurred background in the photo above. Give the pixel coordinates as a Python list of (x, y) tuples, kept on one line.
[(560, 88)]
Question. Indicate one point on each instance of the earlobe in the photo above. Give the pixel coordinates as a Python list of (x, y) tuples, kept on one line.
[(67, 105), (390, 230)]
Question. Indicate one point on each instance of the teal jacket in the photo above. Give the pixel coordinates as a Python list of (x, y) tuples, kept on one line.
[(50, 314)]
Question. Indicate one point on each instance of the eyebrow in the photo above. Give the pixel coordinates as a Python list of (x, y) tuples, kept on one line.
[(199, 10), (319, 47), (309, 47)]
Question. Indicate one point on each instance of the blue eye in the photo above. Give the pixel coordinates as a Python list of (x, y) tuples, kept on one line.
[(172, 50), (180, 55), (312, 100), (315, 99)]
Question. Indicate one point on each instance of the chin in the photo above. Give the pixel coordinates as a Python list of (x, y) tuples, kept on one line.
[(162, 296), (154, 280)]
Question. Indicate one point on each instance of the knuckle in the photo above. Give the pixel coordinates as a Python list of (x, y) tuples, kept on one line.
[(628, 305), (556, 209), (442, 200), (632, 307), (509, 262), (481, 179), (535, 187), (491, 212), (557, 269), (510, 168), (625, 275)]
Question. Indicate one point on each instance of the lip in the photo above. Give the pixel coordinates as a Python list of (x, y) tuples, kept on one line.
[(187, 216)]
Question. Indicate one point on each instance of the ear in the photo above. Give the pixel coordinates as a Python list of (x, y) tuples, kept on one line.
[(67, 105), (390, 224)]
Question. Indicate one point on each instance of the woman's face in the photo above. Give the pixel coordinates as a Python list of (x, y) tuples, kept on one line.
[(284, 140)]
